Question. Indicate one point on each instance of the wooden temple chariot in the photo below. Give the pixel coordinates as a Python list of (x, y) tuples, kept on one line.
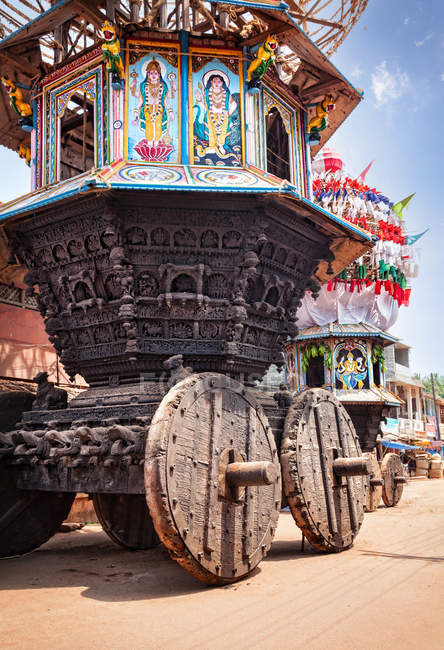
[(170, 235)]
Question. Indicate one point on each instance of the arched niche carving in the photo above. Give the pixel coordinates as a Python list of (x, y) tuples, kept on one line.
[(272, 297), (136, 236), (160, 237), (216, 286), (82, 292), (209, 239), (231, 239), (183, 283), (184, 238)]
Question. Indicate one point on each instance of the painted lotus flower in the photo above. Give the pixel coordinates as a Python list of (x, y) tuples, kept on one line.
[(159, 153)]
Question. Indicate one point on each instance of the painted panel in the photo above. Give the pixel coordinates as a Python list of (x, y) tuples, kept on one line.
[(153, 102), (351, 366), (216, 106)]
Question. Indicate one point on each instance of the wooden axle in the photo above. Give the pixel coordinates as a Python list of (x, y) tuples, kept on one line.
[(376, 482), (356, 466), (253, 473), (400, 480)]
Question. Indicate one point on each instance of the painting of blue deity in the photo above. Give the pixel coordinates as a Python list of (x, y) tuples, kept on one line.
[(153, 107), (351, 368), (216, 111)]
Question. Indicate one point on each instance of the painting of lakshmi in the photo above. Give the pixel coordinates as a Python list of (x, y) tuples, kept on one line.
[(216, 111), (153, 106), (351, 367)]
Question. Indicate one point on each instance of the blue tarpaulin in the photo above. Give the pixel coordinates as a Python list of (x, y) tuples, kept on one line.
[(396, 445)]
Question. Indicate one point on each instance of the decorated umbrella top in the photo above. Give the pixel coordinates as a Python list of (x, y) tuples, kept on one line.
[(376, 285)]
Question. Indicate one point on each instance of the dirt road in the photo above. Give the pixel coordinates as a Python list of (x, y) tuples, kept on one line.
[(81, 591)]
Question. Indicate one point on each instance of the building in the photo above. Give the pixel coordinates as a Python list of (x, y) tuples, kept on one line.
[(400, 380), (416, 418)]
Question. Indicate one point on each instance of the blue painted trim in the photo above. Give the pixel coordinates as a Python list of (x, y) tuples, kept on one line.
[(245, 83), (371, 379), (307, 156), (184, 70), (283, 6), (345, 335), (333, 217), (34, 20)]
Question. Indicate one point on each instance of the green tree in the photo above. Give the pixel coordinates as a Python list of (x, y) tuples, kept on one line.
[(439, 383)]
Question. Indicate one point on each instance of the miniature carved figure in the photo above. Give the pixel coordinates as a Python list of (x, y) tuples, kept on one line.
[(111, 55), (23, 110), (48, 396), (264, 58), (177, 370), (24, 153), (320, 122)]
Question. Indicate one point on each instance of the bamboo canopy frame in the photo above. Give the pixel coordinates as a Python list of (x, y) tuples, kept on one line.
[(326, 22)]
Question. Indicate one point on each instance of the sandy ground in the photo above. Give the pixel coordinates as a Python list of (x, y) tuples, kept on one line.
[(82, 591)]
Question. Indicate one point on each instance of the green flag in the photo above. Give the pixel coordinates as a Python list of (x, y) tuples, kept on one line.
[(399, 207)]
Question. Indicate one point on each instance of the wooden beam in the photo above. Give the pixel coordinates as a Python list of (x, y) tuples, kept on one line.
[(321, 89), (18, 66), (317, 21)]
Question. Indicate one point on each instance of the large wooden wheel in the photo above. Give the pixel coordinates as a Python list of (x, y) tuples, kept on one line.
[(374, 488), (12, 405), (126, 519), (28, 518), (212, 478), (323, 470), (394, 479)]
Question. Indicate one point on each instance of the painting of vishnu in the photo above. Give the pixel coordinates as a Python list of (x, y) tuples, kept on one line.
[(351, 367), (216, 116), (153, 133)]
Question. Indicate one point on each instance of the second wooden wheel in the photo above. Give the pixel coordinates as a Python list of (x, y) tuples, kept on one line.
[(212, 478), (323, 470), (374, 489), (394, 479), (28, 518), (126, 520)]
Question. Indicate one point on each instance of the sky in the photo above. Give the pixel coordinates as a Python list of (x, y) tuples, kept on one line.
[(395, 54)]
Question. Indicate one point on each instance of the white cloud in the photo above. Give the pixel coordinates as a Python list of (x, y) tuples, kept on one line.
[(356, 73), (406, 20), (421, 43), (442, 76), (388, 85)]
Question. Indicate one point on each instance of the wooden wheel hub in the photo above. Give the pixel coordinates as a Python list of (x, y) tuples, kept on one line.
[(323, 470), (212, 477), (394, 479)]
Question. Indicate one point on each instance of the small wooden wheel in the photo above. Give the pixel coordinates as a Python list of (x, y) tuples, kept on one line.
[(126, 519), (28, 518), (212, 478), (374, 489), (394, 479), (323, 470)]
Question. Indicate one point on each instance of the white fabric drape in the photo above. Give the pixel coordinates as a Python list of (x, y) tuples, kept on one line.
[(344, 307)]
